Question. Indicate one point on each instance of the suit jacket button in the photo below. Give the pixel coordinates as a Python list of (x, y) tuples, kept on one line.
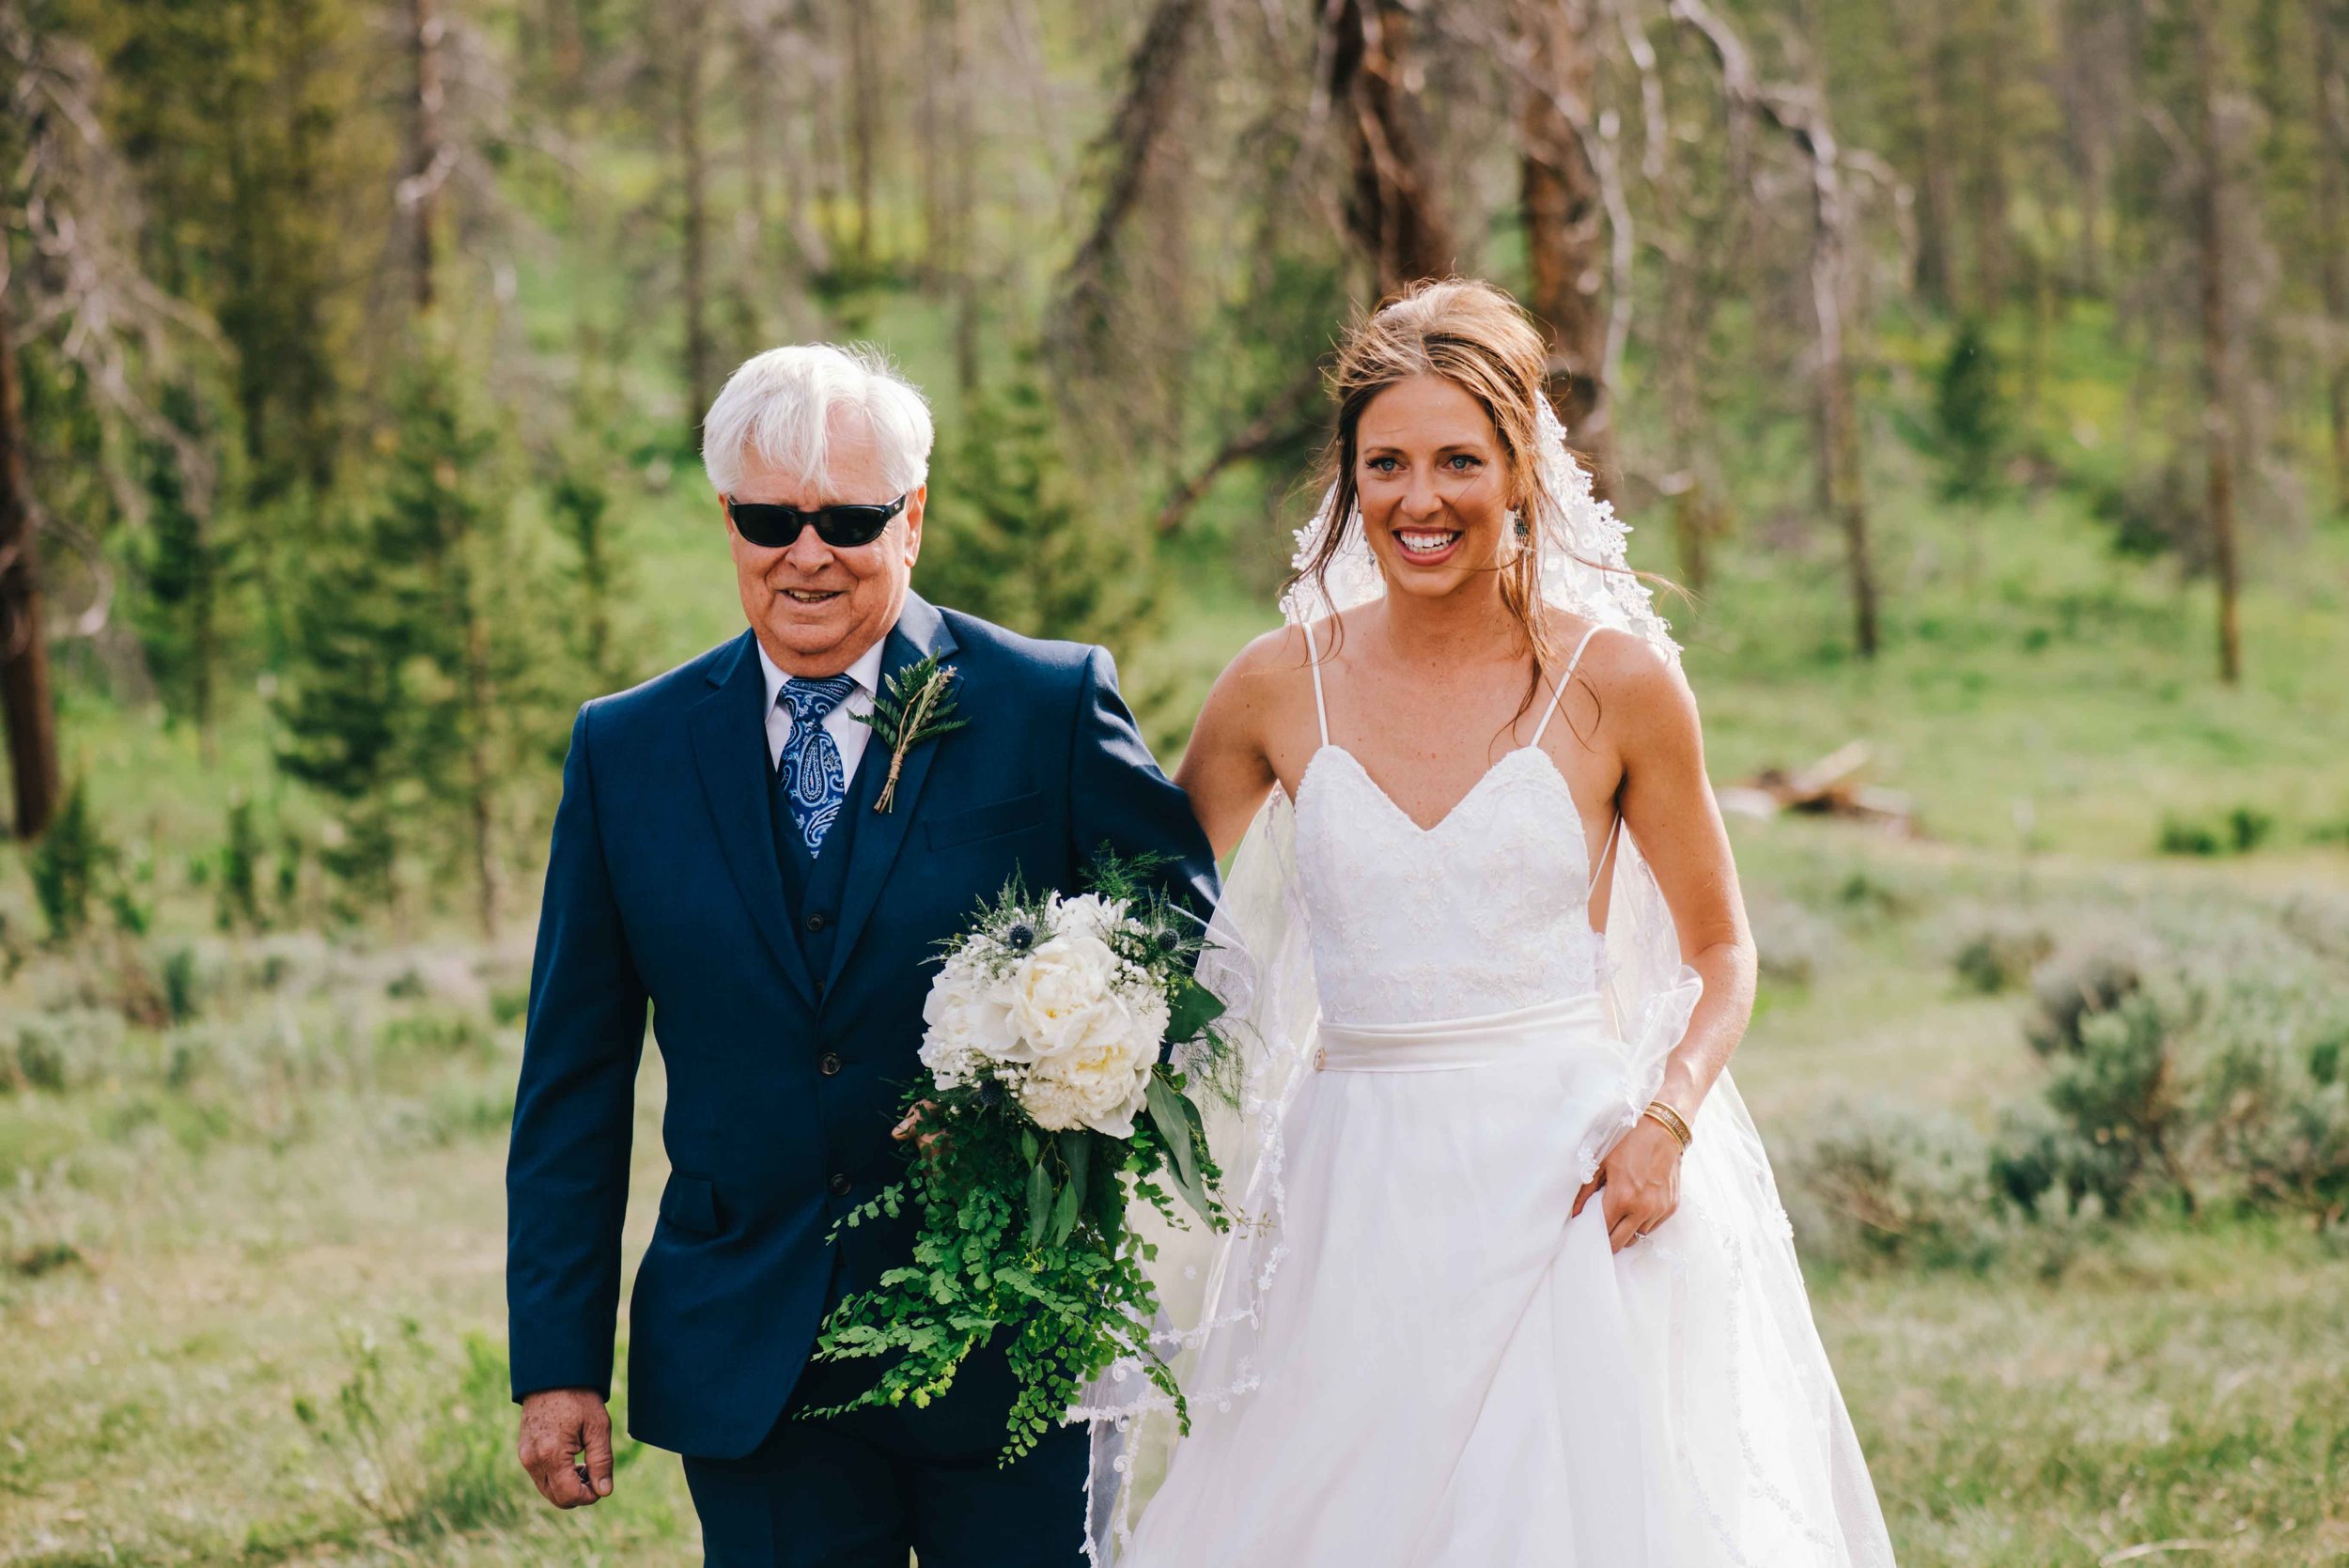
[(817, 921), (840, 1186), (829, 1063)]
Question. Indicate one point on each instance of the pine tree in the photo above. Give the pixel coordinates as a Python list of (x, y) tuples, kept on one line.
[(185, 565), (1970, 416), (414, 654), (1007, 535)]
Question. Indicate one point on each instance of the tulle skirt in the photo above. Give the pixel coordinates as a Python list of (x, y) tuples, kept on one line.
[(1448, 1370)]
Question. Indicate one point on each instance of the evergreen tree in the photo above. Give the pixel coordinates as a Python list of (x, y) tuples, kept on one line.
[(415, 656), (1970, 416), (185, 564), (580, 505), (1009, 535)]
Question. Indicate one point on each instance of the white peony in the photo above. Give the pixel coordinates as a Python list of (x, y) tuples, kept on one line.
[(1063, 993), (1102, 1080), (1088, 913), (968, 1020)]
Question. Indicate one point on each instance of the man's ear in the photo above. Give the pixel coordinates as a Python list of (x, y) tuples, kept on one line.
[(915, 505)]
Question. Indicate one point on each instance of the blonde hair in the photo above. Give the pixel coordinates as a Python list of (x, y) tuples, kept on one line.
[(1475, 336)]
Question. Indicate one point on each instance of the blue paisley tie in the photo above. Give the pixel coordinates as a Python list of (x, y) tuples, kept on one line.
[(810, 772)]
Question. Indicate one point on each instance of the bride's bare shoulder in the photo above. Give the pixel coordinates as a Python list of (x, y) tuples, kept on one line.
[(1275, 665), (1265, 693), (1623, 682)]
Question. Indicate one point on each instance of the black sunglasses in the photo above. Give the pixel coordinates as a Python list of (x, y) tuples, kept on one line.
[(772, 527)]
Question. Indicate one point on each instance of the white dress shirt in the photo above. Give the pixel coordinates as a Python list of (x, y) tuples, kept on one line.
[(840, 724)]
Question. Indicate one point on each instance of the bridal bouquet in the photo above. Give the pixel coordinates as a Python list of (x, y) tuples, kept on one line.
[(1047, 1107)]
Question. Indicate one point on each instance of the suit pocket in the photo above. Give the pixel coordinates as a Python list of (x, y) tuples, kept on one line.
[(992, 820), (689, 1203)]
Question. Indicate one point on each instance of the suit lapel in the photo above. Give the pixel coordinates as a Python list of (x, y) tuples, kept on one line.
[(729, 752), (921, 631)]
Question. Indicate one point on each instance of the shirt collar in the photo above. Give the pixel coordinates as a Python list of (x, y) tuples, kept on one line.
[(866, 672)]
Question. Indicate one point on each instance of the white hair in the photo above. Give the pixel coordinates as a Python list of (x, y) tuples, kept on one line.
[(782, 404)]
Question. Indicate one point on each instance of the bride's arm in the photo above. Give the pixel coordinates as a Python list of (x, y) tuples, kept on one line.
[(1668, 805), (1651, 716), (1227, 770)]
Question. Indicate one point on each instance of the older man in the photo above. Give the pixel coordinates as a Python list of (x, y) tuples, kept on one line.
[(722, 854)]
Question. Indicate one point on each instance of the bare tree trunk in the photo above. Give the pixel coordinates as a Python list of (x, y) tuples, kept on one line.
[(930, 132), (1922, 33), (863, 118), (2327, 19), (427, 164), (1393, 210), (481, 778), (692, 16), (2217, 413), (1144, 112), (1801, 113), (965, 225), (754, 65), (25, 694), (1565, 221)]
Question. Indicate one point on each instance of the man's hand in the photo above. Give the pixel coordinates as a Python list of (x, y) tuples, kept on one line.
[(558, 1426), (911, 1127)]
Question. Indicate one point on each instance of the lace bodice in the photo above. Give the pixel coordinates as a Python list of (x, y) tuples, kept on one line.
[(1484, 912)]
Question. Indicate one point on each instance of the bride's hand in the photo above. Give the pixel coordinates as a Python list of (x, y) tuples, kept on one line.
[(1640, 1183)]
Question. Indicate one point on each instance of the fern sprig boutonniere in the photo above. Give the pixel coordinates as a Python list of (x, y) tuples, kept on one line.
[(918, 704)]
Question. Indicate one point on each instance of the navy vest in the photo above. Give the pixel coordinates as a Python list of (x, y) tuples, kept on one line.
[(813, 885)]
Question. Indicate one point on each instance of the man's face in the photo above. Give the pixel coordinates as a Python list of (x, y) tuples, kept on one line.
[(814, 607)]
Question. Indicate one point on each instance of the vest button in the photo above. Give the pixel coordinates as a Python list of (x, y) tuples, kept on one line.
[(840, 1186), (829, 1063), (817, 921)]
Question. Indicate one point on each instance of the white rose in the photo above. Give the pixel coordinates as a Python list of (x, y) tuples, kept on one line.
[(1062, 994)]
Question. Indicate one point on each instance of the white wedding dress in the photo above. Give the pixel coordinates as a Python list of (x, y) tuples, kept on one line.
[(1432, 1366)]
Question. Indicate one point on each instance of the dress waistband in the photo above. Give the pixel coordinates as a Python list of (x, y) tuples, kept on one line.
[(1446, 1044)]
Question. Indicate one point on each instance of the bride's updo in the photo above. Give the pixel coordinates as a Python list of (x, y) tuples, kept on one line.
[(1475, 336)]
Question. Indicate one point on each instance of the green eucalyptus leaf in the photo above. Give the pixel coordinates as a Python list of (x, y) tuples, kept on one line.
[(1064, 1212), (1194, 1008), (1168, 1114), (1039, 1203)]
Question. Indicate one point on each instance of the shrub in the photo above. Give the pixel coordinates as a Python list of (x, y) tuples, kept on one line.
[(2122, 1095), (2240, 831), (240, 888), (2072, 987), (2000, 958), (1903, 1191), (61, 1050), (180, 998), (66, 862)]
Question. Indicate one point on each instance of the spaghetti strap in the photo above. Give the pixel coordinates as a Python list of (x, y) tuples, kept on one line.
[(1321, 708), (1563, 681), (1607, 849)]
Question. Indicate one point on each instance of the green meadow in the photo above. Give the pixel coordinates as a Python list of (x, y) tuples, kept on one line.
[(251, 1220)]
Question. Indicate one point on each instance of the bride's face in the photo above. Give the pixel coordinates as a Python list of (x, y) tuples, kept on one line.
[(1434, 486)]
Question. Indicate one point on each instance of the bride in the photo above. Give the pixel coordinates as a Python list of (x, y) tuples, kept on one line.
[(1516, 1288)]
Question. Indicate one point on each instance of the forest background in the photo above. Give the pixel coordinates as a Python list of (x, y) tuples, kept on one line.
[(1979, 368)]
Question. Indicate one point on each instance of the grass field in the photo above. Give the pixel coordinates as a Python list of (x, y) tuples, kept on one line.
[(251, 1216), (291, 1202)]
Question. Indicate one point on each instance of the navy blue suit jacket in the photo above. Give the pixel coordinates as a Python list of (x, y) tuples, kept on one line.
[(664, 889)]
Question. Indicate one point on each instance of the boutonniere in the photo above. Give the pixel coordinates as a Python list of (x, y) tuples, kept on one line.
[(917, 706)]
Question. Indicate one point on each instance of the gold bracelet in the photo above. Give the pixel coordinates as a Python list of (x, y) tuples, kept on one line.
[(1670, 1120)]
